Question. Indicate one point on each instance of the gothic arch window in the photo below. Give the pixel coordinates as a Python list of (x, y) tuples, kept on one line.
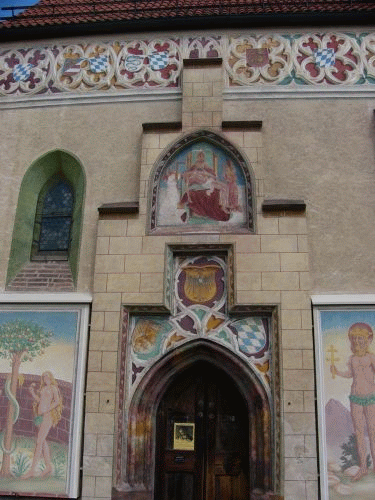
[(48, 219), (202, 183), (53, 220)]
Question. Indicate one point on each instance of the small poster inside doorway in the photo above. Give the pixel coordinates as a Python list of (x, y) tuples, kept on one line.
[(183, 436)]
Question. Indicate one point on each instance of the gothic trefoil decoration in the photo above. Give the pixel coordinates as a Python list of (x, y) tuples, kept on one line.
[(200, 310)]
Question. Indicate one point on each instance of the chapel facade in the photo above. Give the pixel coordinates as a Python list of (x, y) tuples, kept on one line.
[(186, 256)]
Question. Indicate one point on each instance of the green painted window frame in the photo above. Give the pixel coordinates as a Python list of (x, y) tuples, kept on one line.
[(38, 175)]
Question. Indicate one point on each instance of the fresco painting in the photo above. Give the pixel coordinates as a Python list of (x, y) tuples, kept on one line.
[(347, 403), (38, 356), (202, 185), (199, 305)]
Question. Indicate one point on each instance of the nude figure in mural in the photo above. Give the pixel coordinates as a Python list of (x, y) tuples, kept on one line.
[(361, 368), (47, 410)]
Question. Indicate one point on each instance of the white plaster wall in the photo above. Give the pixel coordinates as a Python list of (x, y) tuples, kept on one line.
[(105, 138), (321, 150)]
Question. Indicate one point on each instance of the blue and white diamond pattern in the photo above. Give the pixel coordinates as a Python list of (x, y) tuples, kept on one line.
[(251, 336), (324, 58), (158, 60), (98, 64), (21, 72)]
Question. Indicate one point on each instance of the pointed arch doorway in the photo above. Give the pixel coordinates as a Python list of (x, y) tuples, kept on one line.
[(217, 361), (202, 443), (217, 373)]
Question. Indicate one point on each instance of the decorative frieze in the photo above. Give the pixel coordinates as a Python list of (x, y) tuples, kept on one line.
[(291, 61)]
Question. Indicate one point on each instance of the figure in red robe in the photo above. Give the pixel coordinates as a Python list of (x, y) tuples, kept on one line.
[(206, 195)]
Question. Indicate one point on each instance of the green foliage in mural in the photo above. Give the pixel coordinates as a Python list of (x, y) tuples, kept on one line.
[(59, 460), (349, 455), (21, 464), (23, 337)]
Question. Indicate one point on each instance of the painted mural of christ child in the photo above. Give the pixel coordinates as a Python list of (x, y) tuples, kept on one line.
[(47, 410), (361, 368)]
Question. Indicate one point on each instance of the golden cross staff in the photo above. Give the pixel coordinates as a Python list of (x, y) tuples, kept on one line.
[(332, 359)]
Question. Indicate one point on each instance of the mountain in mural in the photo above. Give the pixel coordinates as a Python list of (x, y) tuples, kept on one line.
[(339, 424)]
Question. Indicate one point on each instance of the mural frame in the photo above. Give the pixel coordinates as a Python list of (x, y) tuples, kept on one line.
[(331, 316), (75, 308), (173, 150)]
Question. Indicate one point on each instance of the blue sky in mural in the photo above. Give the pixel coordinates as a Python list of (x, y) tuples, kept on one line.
[(14, 3), (344, 319), (63, 324)]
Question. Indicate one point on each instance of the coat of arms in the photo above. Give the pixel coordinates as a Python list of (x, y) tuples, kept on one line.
[(200, 282)]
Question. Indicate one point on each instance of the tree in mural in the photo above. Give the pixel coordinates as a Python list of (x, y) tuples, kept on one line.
[(19, 341)]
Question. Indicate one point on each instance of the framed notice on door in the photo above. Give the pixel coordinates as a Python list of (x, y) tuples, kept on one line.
[(183, 436)]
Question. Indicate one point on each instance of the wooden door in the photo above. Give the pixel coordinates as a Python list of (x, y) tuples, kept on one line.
[(202, 438)]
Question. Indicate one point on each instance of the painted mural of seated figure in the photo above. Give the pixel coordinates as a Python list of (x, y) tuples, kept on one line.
[(361, 368), (47, 410), (206, 195), (200, 175)]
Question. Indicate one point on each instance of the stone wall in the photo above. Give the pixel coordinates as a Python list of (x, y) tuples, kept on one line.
[(271, 267)]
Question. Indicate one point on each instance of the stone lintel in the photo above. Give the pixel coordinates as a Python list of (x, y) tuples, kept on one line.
[(248, 310), (162, 127), (149, 310), (202, 62), (276, 205), (125, 207), (241, 125)]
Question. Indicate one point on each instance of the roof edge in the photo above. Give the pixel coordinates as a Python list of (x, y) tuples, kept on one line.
[(188, 23)]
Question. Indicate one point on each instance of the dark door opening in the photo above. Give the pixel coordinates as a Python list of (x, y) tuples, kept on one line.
[(202, 448)]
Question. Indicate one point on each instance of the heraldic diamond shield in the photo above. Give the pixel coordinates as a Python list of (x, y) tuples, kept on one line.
[(21, 72), (98, 64), (251, 335), (158, 60), (324, 58)]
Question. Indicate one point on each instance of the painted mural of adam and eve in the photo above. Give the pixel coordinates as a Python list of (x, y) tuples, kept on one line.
[(34, 406), (202, 185), (353, 474)]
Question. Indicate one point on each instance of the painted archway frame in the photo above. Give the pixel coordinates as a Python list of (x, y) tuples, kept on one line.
[(136, 438), (202, 183)]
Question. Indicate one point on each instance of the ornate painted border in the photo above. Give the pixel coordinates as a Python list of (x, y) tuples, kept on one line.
[(288, 61)]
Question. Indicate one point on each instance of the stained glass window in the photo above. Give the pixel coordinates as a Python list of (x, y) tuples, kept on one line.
[(54, 218)]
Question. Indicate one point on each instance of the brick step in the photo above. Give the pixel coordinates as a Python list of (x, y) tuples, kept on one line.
[(42, 276)]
